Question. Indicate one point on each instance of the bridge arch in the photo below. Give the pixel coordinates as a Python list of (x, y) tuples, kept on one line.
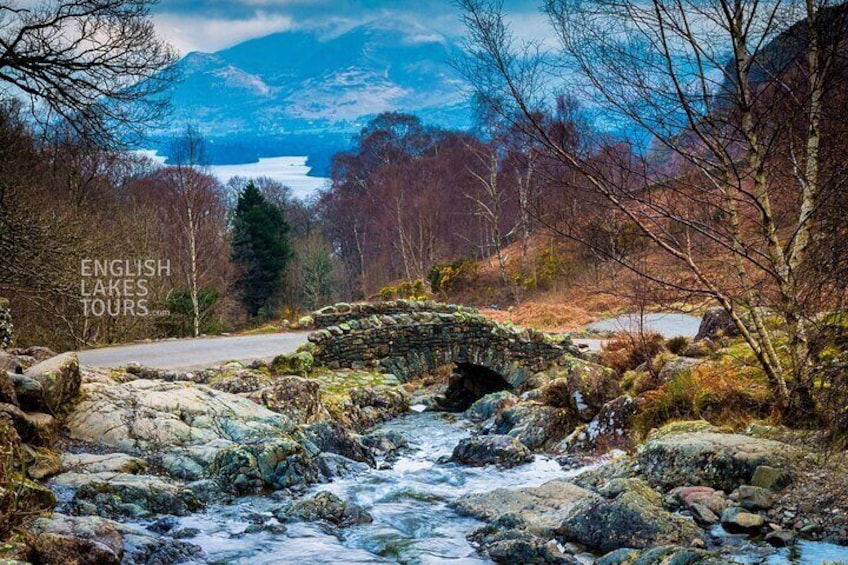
[(411, 344)]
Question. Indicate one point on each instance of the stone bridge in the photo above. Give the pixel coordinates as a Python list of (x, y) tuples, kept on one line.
[(414, 341)]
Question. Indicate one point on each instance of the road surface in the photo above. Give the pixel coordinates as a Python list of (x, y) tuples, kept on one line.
[(194, 353)]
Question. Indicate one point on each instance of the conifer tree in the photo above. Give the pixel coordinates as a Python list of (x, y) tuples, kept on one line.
[(261, 249)]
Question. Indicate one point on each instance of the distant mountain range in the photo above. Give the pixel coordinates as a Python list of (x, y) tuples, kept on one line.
[(302, 92)]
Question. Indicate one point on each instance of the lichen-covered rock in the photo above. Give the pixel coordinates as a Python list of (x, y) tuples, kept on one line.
[(102, 463), (490, 405), (59, 378), (720, 461), (582, 386), (501, 450), (631, 517), (538, 510), (74, 540), (141, 547), (296, 397), (191, 426), (675, 367), (111, 495), (609, 429), (331, 437), (771, 478), (300, 364), (275, 463), (664, 555), (534, 425), (324, 506)]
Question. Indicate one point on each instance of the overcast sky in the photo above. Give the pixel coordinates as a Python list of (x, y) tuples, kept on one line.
[(210, 25)]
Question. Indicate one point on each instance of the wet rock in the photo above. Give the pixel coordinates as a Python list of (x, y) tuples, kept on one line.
[(514, 546), (780, 538), (609, 429), (534, 425), (721, 461), (752, 498), (385, 443), (105, 463), (665, 555), (143, 548), (490, 405), (73, 540), (538, 510), (60, 380), (633, 517), (295, 397), (123, 494), (332, 437), (327, 507), (501, 450), (277, 463), (736, 521), (333, 466), (771, 478)]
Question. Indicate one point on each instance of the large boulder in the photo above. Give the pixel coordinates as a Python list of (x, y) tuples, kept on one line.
[(190, 427), (72, 540), (59, 378), (533, 424), (490, 405), (628, 514), (609, 429), (111, 495), (324, 506), (501, 450), (580, 386), (720, 461), (538, 510), (716, 322), (296, 397)]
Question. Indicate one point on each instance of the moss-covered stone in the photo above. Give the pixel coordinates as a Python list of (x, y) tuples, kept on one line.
[(300, 363)]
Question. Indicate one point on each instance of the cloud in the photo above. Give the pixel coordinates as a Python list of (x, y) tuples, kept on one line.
[(190, 32)]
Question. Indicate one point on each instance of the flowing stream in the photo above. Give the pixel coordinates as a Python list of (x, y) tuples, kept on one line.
[(409, 503)]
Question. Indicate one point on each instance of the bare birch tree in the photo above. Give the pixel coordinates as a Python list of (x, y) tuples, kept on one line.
[(728, 98)]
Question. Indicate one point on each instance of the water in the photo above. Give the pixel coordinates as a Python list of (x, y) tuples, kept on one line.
[(289, 171), (667, 324), (412, 520), (409, 504)]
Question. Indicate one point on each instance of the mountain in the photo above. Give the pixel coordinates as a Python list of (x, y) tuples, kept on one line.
[(307, 88)]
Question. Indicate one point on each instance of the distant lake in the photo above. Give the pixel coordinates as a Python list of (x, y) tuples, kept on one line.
[(290, 171)]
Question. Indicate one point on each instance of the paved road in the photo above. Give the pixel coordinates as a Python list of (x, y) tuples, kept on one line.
[(195, 353)]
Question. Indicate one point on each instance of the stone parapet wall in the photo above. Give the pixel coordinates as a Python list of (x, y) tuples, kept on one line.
[(6, 327), (344, 312), (412, 344)]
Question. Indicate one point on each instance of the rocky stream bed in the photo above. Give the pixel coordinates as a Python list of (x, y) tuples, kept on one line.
[(288, 463)]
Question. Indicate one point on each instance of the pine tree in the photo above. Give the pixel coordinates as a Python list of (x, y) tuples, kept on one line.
[(261, 248)]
